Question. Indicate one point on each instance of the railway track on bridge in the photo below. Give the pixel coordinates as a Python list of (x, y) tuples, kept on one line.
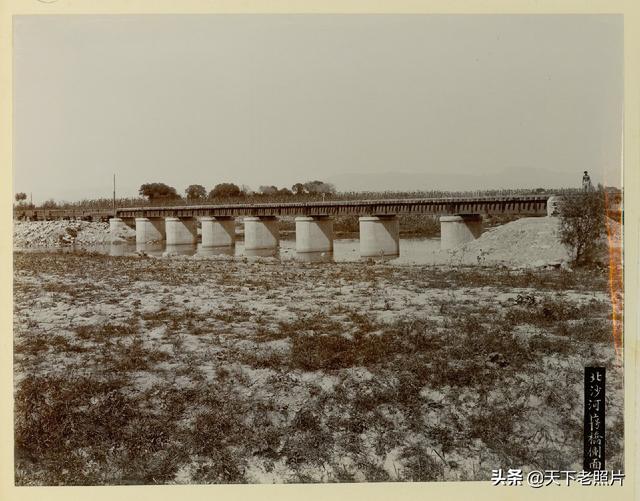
[(524, 205)]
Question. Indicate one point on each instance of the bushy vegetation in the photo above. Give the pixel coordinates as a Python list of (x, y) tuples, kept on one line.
[(582, 224), (158, 192), (195, 192), (225, 190)]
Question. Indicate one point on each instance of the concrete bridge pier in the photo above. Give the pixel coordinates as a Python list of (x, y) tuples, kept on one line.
[(314, 234), (117, 225), (457, 230), (150, 229), (379, 236), (218, 231), (553, 205), (181, 230), (261, 233)]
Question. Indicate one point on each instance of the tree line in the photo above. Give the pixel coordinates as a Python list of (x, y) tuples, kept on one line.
[(194, 192)]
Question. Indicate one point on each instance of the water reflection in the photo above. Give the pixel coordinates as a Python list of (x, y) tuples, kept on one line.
[(216, 251), (261, 252), (314, 257), (118, 249), (179, 250), (154, 248), (412, 251)]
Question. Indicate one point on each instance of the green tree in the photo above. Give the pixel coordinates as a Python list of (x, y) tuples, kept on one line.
[(319, 187), (285, 192), (49, 204), (158, 191), (298, 189), (582, 224), (196, 192), (268, 190), (225, 190)]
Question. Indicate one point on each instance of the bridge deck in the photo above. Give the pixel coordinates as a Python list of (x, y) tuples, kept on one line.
[(523, 205)]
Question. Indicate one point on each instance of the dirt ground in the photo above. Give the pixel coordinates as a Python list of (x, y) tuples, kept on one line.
[(146, 370)]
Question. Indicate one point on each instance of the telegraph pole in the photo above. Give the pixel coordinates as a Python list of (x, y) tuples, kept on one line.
[(114, 194)]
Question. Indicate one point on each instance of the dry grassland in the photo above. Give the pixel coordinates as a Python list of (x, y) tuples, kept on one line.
[(141, 371)]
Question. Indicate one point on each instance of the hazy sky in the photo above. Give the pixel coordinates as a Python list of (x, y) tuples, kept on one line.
[(371, 101)]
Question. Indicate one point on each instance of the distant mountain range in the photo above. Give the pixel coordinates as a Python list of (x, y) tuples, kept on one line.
[(406, 181)]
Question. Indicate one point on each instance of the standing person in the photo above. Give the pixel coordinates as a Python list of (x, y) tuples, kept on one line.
[(586, 182)]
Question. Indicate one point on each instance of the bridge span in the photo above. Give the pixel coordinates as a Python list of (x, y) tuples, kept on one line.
[(460, 220), (532, 205)]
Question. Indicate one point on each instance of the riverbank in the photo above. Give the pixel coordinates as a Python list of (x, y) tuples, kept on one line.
[(209, 370), (523, 243)]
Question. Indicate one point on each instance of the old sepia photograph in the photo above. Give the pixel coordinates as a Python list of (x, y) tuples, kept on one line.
[(317, 248)]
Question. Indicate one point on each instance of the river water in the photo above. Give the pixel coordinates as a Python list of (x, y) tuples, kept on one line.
[(412, 251)]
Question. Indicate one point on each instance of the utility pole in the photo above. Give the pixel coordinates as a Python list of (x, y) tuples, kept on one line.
[(114, 194)]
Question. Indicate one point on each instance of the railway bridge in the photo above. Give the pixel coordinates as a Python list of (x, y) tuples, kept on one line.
[(460, 220)]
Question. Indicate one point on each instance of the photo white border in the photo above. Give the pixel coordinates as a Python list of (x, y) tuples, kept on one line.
[(309, 492)]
